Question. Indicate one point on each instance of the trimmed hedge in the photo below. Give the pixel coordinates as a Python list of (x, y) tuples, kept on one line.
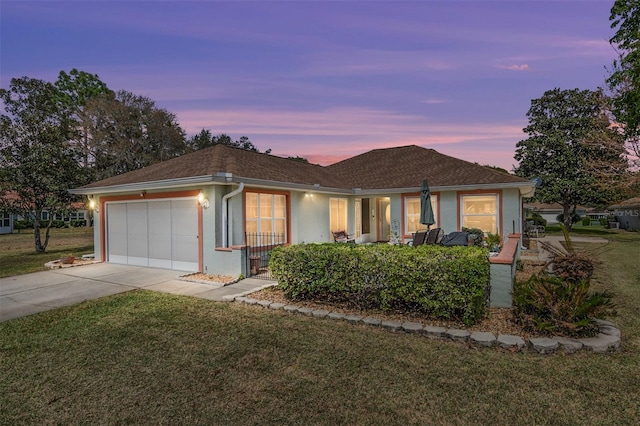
[(442, 282)]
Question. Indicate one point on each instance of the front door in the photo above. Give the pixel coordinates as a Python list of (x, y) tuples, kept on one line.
[(383, 220)]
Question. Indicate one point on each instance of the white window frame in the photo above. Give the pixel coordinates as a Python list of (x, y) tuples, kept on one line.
[(342, 205), (258, 219), (496, 214), (412, 198)]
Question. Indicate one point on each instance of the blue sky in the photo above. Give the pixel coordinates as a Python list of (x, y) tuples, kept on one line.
[(325, 80)]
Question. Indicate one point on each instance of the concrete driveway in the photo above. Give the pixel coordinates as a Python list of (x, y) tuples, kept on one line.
[(32, 293)]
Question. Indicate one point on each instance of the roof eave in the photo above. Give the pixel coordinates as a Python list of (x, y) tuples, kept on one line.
[(138, 186), (302, 187), (527, 189)]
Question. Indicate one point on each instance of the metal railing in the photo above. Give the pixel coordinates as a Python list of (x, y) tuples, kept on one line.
[(259, 247)]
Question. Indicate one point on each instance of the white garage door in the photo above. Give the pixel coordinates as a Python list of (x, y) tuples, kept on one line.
[(160, 234)]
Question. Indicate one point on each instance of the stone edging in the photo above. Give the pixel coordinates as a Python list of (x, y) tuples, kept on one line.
[(608, 340), (57, 264)]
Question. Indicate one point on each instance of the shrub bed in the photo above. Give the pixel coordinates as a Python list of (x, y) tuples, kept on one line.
[(443, 282)]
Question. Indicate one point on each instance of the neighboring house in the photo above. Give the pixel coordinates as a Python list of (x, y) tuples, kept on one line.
[(550, 211), (628, 213), (193, 212), (81, 215), (6, 223)]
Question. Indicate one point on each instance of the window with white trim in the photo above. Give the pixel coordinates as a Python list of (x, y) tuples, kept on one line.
[(266, 214), (412, 214), (5, 220), (480, 211), (337, 214)]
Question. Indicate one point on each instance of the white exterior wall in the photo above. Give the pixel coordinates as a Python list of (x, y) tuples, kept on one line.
[(511, 213), (449, 214), (310, 217)]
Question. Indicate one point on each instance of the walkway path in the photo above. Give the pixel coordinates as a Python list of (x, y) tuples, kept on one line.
[(31, 293)]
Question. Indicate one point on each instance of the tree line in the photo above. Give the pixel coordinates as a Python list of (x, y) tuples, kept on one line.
[(65, 134), (584, 145)]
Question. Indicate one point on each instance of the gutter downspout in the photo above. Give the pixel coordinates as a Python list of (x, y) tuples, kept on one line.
[(225, 225)]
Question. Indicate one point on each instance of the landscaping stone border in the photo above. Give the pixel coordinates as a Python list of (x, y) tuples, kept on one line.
[(608, 339)]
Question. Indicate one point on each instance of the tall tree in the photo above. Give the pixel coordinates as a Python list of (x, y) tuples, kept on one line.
[(572, 148), (624, 80), (205, 139), (130, 132), (74, 91), (37, 165)]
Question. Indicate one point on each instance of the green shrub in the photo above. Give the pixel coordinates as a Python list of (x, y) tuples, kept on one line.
[(559, 301), (22, 224), (586, 221), (603, 221), (555, 306), (493, 240), (537, 219), (477, 234), (443, 282)]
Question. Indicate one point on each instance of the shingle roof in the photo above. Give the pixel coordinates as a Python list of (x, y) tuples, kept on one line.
[(399, 167), (226, 159), (631, 202), (407, 166)]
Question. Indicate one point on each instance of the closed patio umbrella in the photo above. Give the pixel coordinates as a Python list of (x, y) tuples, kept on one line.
[(426, 210)]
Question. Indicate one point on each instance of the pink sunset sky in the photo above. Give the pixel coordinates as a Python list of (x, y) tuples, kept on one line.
[(325, 80)]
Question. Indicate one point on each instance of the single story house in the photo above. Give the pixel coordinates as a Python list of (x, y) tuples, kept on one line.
[(198, 212), (81, 216), (550, 211), (628, 213)]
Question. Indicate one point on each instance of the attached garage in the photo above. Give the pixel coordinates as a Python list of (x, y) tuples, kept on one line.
[(161, 233)]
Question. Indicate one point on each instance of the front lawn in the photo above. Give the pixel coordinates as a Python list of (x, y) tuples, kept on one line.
[(152, 358), (18, 256)]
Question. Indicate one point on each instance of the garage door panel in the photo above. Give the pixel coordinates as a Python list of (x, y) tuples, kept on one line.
[(137, 245), (184, 218), (160, 251), (117, 232), (184, 228), (184, 247), (161, 234), (160, 218)]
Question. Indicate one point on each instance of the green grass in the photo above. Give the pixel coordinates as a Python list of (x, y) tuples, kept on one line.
[(17, 250), (579, 229), (152, 358)]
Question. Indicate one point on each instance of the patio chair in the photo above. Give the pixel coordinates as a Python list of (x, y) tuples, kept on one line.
[(533, 231), (418, 238), (343, 237), (434, 236)]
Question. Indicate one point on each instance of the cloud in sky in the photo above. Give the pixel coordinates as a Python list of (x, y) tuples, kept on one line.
[(514, 67), (325, 80)]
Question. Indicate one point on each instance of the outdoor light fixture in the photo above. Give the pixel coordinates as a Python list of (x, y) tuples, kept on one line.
[(92, 205), (204, 202)]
